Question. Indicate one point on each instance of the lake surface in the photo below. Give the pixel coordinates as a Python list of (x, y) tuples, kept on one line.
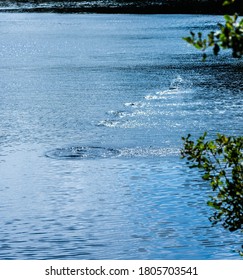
[(93, 108)]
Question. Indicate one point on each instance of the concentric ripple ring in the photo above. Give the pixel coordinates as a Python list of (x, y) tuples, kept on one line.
[(82, 152)]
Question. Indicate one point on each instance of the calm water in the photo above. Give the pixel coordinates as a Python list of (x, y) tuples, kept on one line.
[(92, 110)]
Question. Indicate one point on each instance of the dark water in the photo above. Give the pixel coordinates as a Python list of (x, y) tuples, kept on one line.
[(92, 110), (124, 6)]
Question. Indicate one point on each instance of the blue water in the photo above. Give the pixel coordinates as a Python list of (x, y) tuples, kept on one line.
[(93, 108)]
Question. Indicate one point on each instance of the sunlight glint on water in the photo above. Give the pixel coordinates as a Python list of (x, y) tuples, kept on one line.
[(92, 109)]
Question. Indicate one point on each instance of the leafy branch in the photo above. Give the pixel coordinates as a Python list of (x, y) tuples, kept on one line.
[(221, 161), (228, 36)]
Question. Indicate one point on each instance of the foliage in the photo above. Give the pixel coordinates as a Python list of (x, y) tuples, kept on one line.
[(229, 36), (221, 161)]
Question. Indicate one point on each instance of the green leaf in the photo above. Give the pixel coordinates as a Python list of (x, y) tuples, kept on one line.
[(188, 40), (192, 33), (228, 18), (216, 49), (204, 57)]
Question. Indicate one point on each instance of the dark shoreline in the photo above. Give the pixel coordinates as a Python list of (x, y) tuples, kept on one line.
[(122, 7)]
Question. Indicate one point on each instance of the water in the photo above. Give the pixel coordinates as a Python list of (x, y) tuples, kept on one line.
[(92, 110)]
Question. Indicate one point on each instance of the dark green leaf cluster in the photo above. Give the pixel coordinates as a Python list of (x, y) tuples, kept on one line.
[(221, 161), (229, 36)]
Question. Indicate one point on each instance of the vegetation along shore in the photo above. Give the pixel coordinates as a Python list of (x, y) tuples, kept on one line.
[(123, 6)]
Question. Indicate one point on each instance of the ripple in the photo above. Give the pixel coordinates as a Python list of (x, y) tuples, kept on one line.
[(92, 152), (86, 152), (109, 123), (119, 114), (137, 104), (147, 152)]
